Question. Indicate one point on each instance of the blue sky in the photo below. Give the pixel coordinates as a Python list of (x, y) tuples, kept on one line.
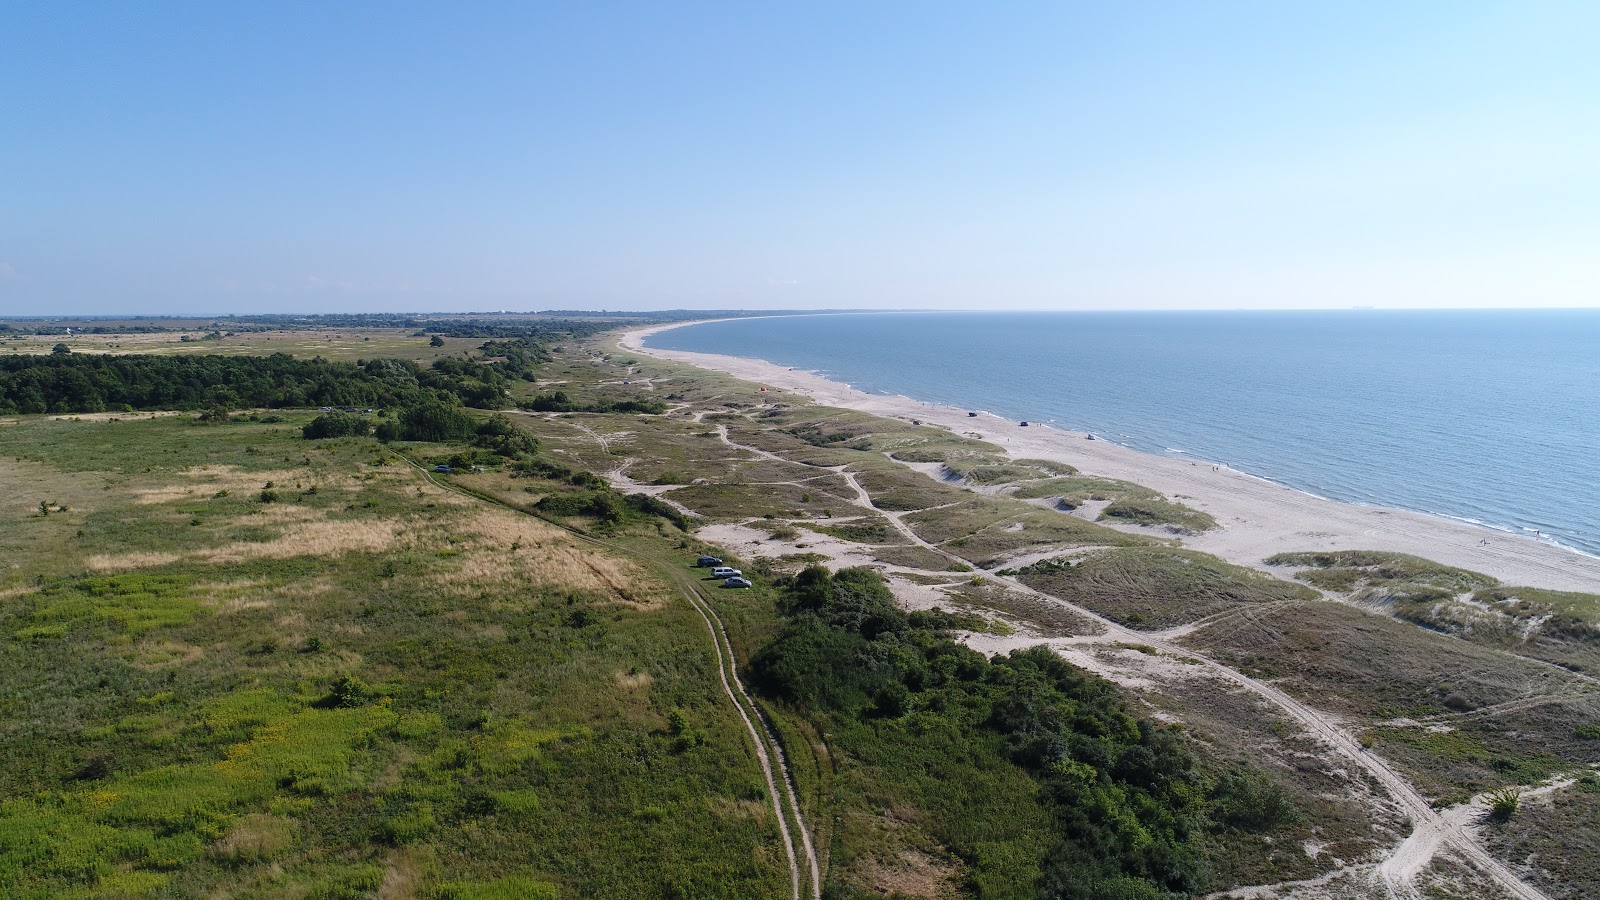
[(232, 157)]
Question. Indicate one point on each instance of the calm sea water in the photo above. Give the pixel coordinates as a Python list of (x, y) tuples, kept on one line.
[(1491, 417)]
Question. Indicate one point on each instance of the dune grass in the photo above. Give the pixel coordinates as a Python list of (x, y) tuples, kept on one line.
[(1157, 587)]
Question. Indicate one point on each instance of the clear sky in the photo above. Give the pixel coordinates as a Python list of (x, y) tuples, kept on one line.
[(236, 157)]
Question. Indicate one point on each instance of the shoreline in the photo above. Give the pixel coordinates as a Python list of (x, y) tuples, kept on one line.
[(1257, 517)]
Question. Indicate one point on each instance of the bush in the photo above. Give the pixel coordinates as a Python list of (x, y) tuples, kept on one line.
[(1503, 804), (499, 436), (435, 420), (348, 692), (336, 424), (1251, 803)]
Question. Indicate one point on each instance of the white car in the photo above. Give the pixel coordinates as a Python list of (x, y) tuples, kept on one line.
[(737, 582), (725, 572)]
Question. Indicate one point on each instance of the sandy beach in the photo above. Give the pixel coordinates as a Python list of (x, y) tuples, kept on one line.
[(1257, 517)]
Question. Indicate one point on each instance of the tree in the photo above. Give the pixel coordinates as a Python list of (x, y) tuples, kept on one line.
[(335, 424), (503, 438), (434, 420), (60, 350), (436, 341)]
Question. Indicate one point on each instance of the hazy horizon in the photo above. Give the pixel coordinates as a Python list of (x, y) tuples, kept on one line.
[(187, 159)]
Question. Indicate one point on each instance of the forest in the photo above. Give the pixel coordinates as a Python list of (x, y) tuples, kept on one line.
[(66, 382)]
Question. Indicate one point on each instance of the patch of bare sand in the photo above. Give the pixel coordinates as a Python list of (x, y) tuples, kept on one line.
[(756, 544)]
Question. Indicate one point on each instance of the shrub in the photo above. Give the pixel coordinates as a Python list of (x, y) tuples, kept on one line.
[(1251, 803), (1503, 804), (435, 420), (348, 692), (410, 826), (336, 424), (499, 436)]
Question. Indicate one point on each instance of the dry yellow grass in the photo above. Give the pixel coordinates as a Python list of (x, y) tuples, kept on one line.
[(634, 681), (161, 654), (116, 416), (256, 837), (306, 538), (203, 481), (506, 551), (404, 872), (729, 808)]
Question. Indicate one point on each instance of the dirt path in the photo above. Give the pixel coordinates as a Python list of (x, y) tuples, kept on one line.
[(1430, 829), (769, 749), (726, 667)]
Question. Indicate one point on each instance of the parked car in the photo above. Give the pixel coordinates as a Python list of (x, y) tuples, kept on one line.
[(725, 572), (706, 561), (442, 469), (737, 582)]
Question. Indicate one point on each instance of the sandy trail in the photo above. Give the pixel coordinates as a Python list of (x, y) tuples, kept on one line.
[(1258, 518), (1430, 829)]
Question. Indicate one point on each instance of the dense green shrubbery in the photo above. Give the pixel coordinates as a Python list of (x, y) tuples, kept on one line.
[(336, 424), (68, 382), (1126, 803), (560, 402), (434, 420), (499, 436), (610, 507)]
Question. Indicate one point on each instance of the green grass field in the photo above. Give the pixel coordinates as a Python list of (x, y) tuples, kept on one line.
[(365, 683)]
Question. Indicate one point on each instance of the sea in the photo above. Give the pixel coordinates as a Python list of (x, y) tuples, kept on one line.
[(1489, 417)]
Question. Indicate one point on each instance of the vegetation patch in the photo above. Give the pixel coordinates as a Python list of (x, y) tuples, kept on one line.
[(868, 531), (1101, 803), (1352, 570), (131, 604), (1076, 490), (1556, 626), (162, 818), (1175, 516), (1004, 473), (1157, 587)]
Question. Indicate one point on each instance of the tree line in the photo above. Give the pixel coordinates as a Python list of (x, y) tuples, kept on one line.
[(65, 382)]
